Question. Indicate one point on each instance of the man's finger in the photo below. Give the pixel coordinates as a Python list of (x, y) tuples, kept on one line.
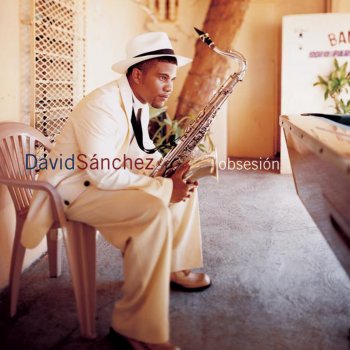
[(190, 182), (191, 187), (181, 170)]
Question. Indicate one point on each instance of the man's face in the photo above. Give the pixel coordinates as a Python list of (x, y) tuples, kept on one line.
[(156, 83)]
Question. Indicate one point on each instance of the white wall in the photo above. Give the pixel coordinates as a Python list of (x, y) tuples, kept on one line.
[(305, 43), (9, 60), (109, 25), (10, 110)]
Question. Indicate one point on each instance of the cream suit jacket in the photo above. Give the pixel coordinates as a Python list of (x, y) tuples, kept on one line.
[(99, 127)]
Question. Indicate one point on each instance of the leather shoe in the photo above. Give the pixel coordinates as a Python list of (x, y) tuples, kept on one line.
[(189, 281), (124, 343)]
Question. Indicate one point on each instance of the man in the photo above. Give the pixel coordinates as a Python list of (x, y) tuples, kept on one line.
[(153, 221)]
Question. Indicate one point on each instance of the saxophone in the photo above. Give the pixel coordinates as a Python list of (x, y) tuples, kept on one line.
[(194, 133)]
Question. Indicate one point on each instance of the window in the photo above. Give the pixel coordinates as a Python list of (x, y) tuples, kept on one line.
[(58, 52)]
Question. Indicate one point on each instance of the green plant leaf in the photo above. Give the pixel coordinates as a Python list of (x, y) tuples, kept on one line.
[(343, 70), (202, 147), (336, 64), (335, 84), (342, 82), (155, 112), (211, 143), (322, 81)]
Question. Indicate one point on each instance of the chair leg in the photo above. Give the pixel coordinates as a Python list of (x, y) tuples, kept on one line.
[(81, 250), (54, 252), (17, 258)]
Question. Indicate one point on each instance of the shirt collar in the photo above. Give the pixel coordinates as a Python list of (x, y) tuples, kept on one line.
[(137, 104), (129, 99)]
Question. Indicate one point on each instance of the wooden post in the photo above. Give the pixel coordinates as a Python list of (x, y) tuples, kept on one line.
[(208, 71)]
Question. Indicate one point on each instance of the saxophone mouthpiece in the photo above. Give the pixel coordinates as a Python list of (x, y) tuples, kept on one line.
[(204, 37), (199, 32)]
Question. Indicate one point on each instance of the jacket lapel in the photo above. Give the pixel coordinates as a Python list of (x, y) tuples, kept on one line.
[(126, 100)]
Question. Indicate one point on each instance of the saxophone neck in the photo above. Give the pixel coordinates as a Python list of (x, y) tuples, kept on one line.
[(235, 55)]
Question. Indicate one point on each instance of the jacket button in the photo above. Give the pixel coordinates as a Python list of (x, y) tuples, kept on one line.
[(86, 183), (66, 202)]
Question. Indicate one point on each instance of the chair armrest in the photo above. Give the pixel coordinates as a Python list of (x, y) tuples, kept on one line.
[(41, 186)]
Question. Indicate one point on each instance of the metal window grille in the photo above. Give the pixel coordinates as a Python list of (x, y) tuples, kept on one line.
[(59, 62)]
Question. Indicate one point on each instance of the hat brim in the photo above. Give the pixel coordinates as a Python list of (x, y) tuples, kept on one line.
[(122, 66)]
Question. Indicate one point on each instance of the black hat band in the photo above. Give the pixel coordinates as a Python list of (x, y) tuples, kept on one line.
[(157, 52)]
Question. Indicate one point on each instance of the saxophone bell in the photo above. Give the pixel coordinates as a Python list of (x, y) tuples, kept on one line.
[(203, 166)]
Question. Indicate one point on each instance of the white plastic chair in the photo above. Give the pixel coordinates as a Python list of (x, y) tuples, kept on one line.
[(17, 140)]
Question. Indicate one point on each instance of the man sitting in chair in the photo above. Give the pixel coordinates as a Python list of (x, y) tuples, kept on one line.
[(154, 221)]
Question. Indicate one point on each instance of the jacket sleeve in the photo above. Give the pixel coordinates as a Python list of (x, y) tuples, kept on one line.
[(99, 127)]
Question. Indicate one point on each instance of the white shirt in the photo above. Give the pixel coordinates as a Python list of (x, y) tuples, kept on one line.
[(134, 151)]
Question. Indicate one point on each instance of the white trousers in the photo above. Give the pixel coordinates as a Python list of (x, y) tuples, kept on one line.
[(155, 239)]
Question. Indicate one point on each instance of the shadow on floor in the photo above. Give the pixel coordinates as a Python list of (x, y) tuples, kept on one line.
[(276, 283)]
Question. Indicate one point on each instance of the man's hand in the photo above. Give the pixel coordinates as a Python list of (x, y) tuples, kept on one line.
[(181, 188)]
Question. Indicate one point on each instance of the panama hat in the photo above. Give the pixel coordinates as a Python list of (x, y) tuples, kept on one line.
[(147, 46)]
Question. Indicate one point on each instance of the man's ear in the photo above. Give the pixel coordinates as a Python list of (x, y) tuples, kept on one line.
[(136, 76)]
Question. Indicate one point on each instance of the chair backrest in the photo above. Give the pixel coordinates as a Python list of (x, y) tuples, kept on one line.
[(16, 141)]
